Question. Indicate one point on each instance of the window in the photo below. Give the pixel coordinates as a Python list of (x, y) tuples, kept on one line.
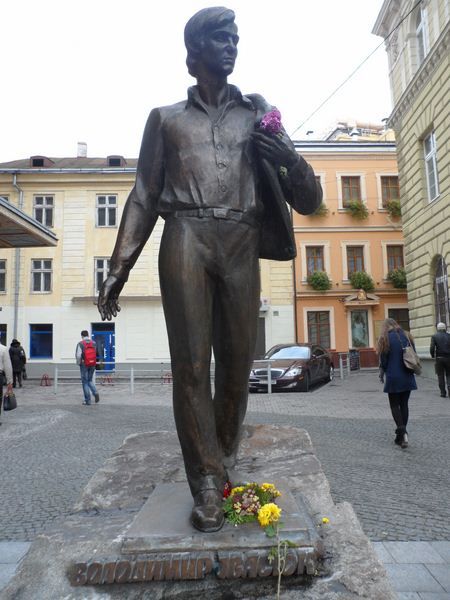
[(421, 35), (429, 148), (401, 315), (41, 275), (2, 275), (355, 259), (106, 211), (351, 190), (390, 189), (101, 273), (319, 327), (441, 294), (5, 198), (3, 334), (314, 259), (43, 210), (41, 341), (395, 257)]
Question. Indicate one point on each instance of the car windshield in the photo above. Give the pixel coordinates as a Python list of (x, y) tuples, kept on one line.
[(290, 352)]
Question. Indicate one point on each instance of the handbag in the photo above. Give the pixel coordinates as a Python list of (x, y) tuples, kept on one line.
[(9, 402), (410, 358), (24, 374)]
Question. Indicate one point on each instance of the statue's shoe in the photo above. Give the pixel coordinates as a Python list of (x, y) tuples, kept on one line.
[(207, 514)]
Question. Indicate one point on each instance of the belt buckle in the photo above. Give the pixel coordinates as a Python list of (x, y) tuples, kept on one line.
[(220, 213)]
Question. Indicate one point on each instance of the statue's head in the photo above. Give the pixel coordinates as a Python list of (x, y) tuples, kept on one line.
[(211, 40)]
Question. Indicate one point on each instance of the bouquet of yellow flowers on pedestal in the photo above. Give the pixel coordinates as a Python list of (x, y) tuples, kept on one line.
[(251, 502)]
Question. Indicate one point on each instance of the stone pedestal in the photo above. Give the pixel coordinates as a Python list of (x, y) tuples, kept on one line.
[(130, 537)]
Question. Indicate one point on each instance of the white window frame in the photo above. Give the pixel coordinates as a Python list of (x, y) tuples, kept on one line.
[(3, 273), (380, 188), (109, 203), (330, 309), (421, 33), (366, 255), (100, 268), (431, 161), (47, 207), (384, 245), (42, 270), (339, 176), (326, 257)]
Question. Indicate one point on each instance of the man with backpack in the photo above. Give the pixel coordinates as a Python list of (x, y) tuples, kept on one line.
[(86, 357), (440, 350)]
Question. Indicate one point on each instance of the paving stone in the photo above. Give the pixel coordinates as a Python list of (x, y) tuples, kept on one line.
[(442, 548), (408, 596), (12, 552), (6, 573), (413, 552), (412, 578), (382, 552), (434, 596), (442, 574)]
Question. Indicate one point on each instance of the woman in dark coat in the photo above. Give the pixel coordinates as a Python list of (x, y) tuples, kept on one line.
[(18, 360), (399, 381)]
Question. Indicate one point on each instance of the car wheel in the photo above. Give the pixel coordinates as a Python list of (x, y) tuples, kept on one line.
[(303, 386), (330, 375)]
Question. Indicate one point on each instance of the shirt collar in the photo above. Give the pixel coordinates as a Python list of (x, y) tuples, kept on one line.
[(235, 94)]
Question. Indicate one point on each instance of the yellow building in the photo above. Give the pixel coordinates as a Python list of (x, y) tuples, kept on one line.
[(417, 38), (355, 231), (47, 295)]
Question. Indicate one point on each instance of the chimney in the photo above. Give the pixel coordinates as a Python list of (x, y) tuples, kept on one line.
[(81, 150)]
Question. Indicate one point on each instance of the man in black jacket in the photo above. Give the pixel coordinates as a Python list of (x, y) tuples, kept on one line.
[(203, 168), (440, 349)]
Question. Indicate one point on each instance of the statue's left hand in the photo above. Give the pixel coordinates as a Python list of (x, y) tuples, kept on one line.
[(274, 149)]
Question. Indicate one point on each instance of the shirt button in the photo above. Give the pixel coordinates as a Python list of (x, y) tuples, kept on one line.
[(219, 147), (221, 165), (223, 188)]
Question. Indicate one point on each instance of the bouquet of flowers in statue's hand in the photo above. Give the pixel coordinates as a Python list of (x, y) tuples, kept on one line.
[(251, 502), (271, 122)]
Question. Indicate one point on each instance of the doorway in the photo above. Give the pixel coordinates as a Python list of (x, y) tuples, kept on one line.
[(104, 336)]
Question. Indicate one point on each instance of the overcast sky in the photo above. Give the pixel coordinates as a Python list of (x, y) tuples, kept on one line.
[(91, 70)]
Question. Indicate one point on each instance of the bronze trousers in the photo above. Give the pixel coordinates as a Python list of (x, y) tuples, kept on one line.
[(210, 286)]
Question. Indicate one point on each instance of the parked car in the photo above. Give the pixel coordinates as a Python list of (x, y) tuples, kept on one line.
[(292, 367)]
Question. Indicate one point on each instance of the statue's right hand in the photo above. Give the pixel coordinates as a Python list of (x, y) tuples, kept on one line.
[(108, 298)]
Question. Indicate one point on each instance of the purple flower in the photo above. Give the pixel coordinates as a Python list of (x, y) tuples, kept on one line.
[(271, 122)]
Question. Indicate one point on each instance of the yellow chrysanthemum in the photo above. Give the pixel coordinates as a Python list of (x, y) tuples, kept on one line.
[(269, 487), (268, 514), (237, 490), (325, 520)]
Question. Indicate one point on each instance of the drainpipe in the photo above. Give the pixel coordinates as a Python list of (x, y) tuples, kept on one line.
[(294, 276), (17, 265)]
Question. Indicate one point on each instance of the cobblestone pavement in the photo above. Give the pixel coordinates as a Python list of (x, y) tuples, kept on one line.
[(51, 446)]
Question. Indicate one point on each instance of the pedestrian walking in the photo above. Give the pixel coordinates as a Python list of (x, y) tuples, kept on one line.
[(86, 357), (398, 380), (440, 350), (18, 361), (6, 374)]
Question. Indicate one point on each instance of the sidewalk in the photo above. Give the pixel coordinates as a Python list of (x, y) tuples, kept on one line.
[(418, 570)]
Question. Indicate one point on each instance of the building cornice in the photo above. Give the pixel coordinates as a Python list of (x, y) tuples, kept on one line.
[(438, 53), (45, 171), (367, 229), (345, 147)]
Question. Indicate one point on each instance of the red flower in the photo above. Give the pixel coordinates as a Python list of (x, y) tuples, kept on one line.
[(227, 489)]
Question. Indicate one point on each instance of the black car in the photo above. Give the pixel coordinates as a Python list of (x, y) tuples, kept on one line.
[(292, 367)]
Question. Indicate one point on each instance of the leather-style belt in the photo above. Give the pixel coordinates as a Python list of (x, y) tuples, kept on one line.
[(218, 213)]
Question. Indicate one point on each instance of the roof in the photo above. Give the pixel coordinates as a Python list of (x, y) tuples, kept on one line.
[(19, 230), (69, 163)]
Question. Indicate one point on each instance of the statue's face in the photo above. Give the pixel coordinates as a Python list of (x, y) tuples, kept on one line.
[(219, 50)]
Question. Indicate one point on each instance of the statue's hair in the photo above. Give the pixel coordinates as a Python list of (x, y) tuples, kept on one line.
[(202, 22)]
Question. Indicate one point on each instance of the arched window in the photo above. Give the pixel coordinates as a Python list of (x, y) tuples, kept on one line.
[(441, 295), (421, 35)]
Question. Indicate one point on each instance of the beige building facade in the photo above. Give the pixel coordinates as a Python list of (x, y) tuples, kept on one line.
[(47, 294), (357, 230), (417, 36)]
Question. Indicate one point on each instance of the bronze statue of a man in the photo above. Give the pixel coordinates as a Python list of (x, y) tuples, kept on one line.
[(214, 177)]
